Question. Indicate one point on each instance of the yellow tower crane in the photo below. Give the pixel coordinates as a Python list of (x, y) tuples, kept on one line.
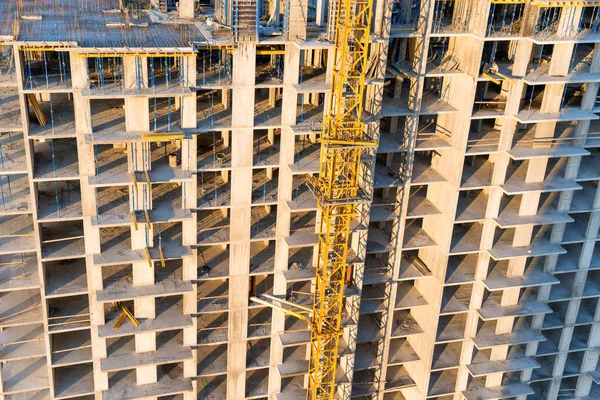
[(338, 191)]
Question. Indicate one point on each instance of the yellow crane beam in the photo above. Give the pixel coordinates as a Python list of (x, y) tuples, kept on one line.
[(337, 189), (280, 308)]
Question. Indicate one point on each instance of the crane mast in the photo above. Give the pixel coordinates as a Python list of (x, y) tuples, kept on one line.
[(338, 190)]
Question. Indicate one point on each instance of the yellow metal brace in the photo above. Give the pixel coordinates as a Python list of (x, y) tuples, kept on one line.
[(148, 257), (42, 48), (134, 220), (148, 223), (117, 324), (147, 179), (125, 313), (496, 76), (162, 137), (134, 180), (509, 1), (280, 308), (37, 109), (12, 263), (288, 303), (269, 52), (162, 257), (566, 3), (13, 235), (491, 78), (85, 55)]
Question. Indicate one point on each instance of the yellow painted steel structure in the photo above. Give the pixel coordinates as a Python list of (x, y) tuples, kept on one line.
[(268, 52), (125, 313), (337, 189), (566, 3), (162, 137), (509, 1), (136, 54)]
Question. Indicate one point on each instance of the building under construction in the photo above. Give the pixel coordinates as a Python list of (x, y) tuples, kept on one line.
[(160, 227)]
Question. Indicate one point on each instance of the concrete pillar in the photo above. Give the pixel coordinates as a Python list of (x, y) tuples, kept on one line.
[(135, 72), (244, 59), (321, 11), (186, 8), (86, 159), (297, 19)]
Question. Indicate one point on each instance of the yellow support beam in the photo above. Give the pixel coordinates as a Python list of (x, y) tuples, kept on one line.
[(62, 239), (105, 55), (134, 180), (162, 257), (148, 257), (226, 47), (12, 263), (125, 313), (44, 48), (491, 78), (13, 235), (162, 137), (344, 143), (566, 3), (129, 314), (148, 223), (37, 109), (134, 220), (509, 1), (288, 303), (282, 309), (263, 52), (117, 324)]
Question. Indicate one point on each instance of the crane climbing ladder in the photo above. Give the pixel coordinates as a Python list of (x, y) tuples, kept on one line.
[(340, 187)]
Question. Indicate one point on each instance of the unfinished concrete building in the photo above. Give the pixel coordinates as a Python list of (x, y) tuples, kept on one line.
[(154, 157)]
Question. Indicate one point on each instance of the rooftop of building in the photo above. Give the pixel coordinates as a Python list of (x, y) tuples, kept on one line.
[(94, 24), (118, 26)]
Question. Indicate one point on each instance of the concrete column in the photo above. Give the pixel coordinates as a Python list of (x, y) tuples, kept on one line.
[(274, 12), (297, 19), (321, 11), (135, 68), (286, 182), (244, 60), (137, 119), (562, 55), (189, 235), (186, 8), (86, 160)]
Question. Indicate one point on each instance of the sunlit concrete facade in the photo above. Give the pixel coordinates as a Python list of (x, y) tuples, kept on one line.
[(157, 159)]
